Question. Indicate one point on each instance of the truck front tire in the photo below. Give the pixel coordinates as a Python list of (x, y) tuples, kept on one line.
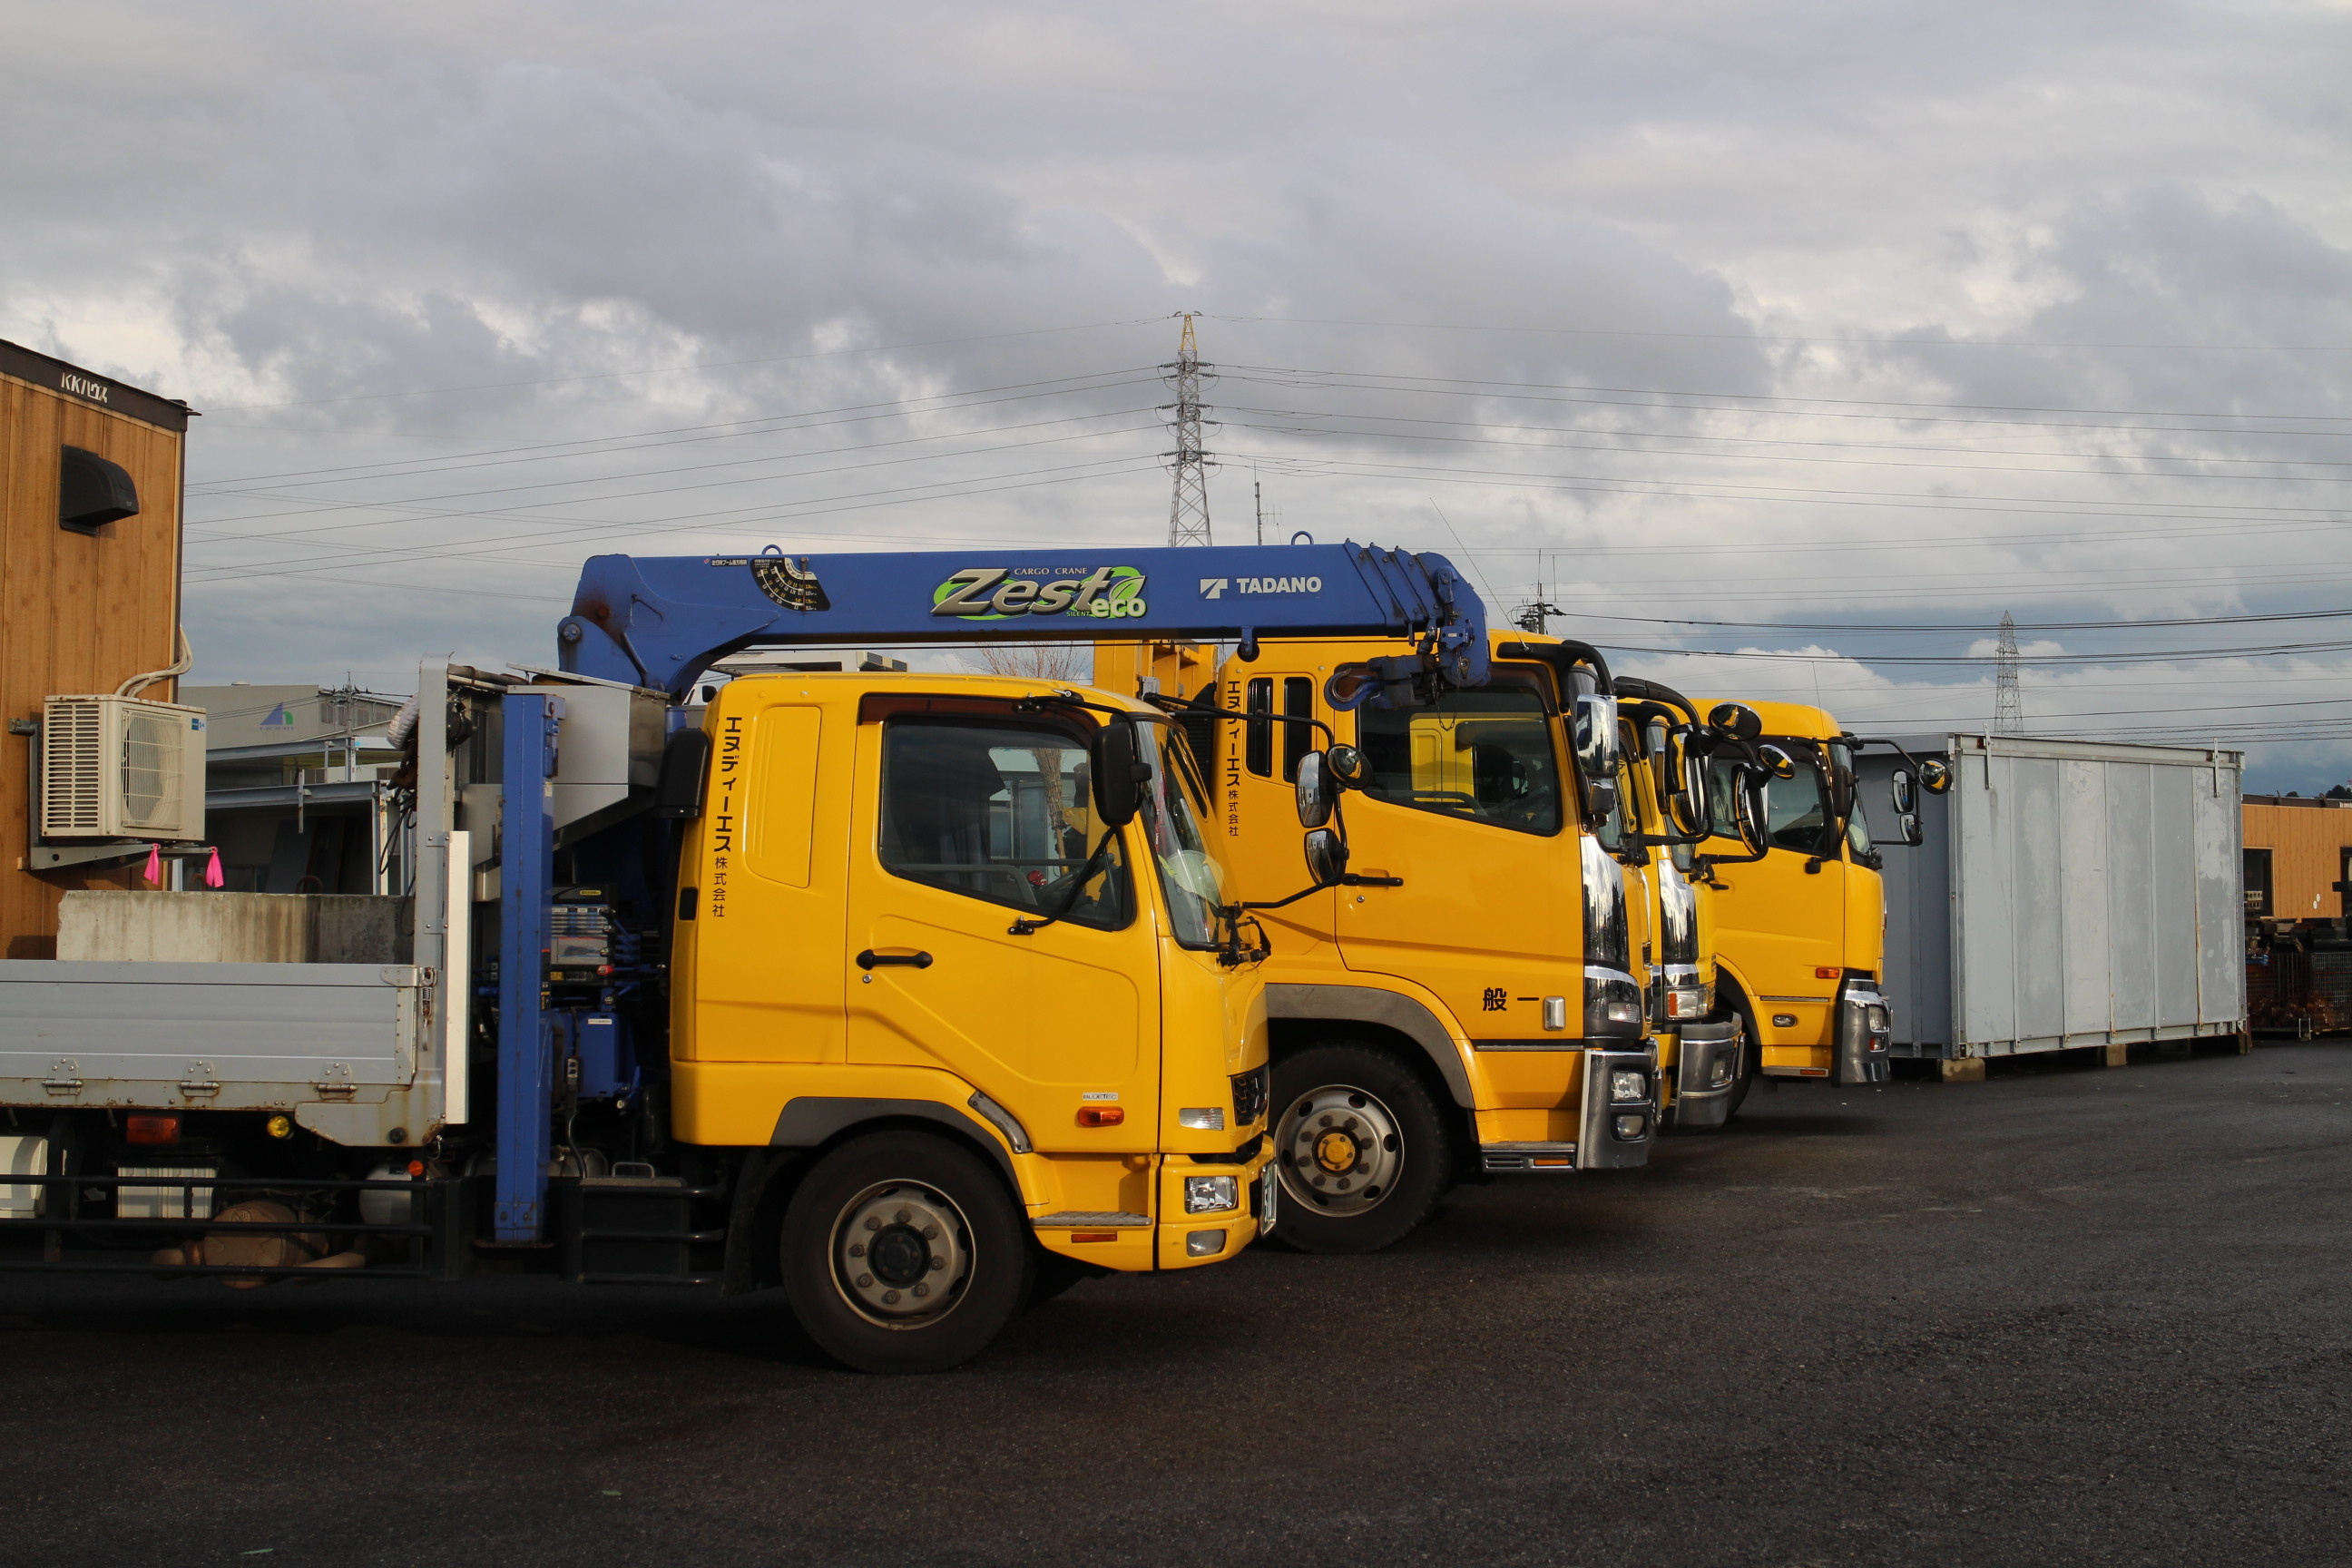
[(1751, 1056), (902, 1252), (1364, 1150)]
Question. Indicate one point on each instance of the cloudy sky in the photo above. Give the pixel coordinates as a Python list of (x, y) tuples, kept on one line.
[(1785, 347)]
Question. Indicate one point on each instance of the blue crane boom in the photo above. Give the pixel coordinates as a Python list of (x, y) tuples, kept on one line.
[(660, 621)]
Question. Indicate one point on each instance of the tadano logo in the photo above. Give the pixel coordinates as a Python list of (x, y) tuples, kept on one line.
[(1214, 587), (1000, 593)]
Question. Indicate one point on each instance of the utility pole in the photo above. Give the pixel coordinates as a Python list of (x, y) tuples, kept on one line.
[(1188, 509), (1533, 617), (1257, 492), (2008, 706)]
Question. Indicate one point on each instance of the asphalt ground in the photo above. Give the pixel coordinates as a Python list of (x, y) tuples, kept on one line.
[(2058, 1317)]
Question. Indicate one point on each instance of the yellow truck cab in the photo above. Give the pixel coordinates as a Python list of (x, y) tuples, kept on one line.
[(1466, 1003), (1800, 929), (906, 907), (1698, 1046)]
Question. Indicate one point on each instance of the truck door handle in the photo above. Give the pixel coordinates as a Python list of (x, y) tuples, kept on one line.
[(869, 959)]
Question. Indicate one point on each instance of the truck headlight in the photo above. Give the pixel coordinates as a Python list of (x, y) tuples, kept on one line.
[(1877, 1019), (1210, 1195), (1630, 1128), (1628, 1083)]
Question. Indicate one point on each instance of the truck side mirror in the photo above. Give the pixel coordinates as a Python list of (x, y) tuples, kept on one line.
[(1779, 763), (1319, 788), (1690, 804), (1904, 788), (1751, 811), (1597, 751), (1935, 775), (1736, 720), (1327, 858), (1120, 774), (685, 775), (1841, 772)]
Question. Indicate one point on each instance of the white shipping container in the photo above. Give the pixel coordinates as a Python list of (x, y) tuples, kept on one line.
[(2066, 893)]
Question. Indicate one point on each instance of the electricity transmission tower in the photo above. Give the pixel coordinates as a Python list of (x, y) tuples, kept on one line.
[(2008, 706), (1188, 511)]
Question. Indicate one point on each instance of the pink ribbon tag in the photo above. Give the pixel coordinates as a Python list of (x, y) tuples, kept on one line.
[(212, 877), (156, 864)]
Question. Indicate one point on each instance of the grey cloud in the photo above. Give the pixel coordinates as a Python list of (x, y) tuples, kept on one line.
[(291, 205)]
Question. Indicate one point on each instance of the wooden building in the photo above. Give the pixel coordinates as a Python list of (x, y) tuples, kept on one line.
[(90, 592), (2296, 850)]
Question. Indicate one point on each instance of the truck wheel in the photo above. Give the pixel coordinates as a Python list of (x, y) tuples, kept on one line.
[(1362, 1147), (1751, 1056), (901, 1252)]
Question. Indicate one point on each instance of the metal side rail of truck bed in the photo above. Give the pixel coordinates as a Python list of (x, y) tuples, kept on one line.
[(342, 1047)]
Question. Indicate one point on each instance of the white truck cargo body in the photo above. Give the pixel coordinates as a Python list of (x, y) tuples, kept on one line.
[(2067, 893)]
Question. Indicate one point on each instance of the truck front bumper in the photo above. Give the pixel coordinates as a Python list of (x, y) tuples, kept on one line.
[(1620, 1120), (1706, 1070), (1866, 1036)]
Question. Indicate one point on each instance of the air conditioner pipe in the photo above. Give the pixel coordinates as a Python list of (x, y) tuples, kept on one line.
[(179, 667)]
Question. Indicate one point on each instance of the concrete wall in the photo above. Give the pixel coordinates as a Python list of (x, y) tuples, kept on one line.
[(234, 928)]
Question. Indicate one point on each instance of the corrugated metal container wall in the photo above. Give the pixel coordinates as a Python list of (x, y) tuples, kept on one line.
[(2068, 893)]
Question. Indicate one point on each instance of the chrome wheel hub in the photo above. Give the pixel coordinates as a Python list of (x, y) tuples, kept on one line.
[(901, 1254), (1340, 1150)]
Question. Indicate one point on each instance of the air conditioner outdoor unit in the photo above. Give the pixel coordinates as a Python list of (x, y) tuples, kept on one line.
[(120, 767)]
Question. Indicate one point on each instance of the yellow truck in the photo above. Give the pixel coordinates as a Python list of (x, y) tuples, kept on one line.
[(914, 995), (1476, 997), (1698, 1044), (1800, 922)]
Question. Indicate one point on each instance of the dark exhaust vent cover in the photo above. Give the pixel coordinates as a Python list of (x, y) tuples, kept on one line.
[(92, 492)]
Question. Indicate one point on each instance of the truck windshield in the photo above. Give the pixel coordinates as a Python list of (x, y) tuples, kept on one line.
[(1175, 807), (1483, 755)]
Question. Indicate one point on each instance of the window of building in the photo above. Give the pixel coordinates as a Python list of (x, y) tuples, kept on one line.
[(2258, 882)]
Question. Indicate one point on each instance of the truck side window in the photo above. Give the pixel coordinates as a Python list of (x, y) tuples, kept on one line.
[(1259, 751), (1800, 806), (1483, 755), (1001, 812), (1298, 740)]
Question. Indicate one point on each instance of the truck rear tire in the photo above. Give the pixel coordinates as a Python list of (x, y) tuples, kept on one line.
[(902, 1252), (1364, 1153)]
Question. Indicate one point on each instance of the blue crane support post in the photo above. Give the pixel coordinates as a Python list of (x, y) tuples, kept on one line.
[(660, 621), (526, 882)]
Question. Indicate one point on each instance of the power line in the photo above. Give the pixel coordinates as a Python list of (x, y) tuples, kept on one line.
[(1703, 402), (673, 368), (726, 429), (1906, 343)]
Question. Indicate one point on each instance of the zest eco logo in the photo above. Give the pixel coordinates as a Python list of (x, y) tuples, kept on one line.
[(1001, 593)]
